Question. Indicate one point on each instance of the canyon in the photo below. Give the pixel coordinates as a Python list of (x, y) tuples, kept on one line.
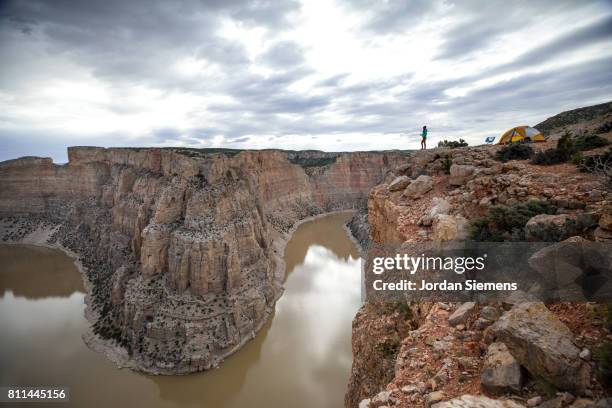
[(181, 254), (181, 249)]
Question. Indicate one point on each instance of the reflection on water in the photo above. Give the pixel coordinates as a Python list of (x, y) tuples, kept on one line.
[(301, 358), (37, 272)]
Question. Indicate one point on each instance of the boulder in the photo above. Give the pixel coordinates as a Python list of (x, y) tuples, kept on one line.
[(587, 220), (477, 401), (583, 403), (552, 403), (449, 228), (399, 183), (462, 314), (550, 228), (481, 324), (434, 397), (501, 373), (403, 169), (420, 161), (419, 187), (489, 313), (602, 235), (568, 265), (542, 344), (460, 173), (439, 206), (605, 221), (534, 401)]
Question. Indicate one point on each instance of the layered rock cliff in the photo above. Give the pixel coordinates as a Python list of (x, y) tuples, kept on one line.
[(182, 247), (442, 354)]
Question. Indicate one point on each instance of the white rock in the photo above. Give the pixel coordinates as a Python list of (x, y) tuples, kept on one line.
[(585, 354), (534, 402), (480, 401), (462, 313), (365, 403)]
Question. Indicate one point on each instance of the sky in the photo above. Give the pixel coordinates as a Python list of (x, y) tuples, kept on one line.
[(335, 75)]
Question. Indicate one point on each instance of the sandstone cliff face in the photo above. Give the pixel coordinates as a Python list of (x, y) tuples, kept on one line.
[(432, 196), (183, 247)]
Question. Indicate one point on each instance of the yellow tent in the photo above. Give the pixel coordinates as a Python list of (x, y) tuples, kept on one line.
[(526, 133)]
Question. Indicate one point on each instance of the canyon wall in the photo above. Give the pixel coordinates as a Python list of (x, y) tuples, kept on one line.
[(183, 247), (444, 355)]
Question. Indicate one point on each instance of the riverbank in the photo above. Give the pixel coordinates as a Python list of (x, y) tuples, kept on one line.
[(45, 236), (23, 230), (322, 274)]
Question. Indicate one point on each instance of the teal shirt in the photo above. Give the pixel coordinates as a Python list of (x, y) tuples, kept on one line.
[(424, 133)]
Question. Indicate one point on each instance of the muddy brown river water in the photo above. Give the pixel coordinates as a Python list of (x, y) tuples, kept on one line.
[(301, 358)]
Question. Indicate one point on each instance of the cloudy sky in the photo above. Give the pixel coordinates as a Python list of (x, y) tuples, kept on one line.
[(310, 74)]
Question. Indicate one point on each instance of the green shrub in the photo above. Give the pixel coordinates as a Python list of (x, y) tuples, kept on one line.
[(555, 233), (567, 148), (588, 142), (447, 162), (549, 157), (566, 143), (577, 158), (453, 144), (562, 153), (514, 151), (507, 223)]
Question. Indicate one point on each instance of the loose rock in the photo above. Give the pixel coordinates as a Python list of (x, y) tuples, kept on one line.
[(419, 187), (462, 313), (501, 372), (543, 344)]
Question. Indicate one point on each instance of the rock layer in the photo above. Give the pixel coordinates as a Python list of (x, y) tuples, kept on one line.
[(183, 247)]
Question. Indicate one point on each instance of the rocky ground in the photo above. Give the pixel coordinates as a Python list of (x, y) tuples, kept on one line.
[(508, 354)]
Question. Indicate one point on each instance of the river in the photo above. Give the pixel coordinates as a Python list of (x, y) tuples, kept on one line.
[(300, 358)]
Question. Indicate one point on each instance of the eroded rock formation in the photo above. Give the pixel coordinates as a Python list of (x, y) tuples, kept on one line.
[(451, 354), (182, 248)]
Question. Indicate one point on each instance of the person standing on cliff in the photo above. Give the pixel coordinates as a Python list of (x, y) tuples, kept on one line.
[(424, 138)]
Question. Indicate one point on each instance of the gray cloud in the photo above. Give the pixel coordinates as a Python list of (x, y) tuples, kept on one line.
[(167, 133), (484, 23), (597, 32), (125, 44), (392, 15), (283, 54)]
